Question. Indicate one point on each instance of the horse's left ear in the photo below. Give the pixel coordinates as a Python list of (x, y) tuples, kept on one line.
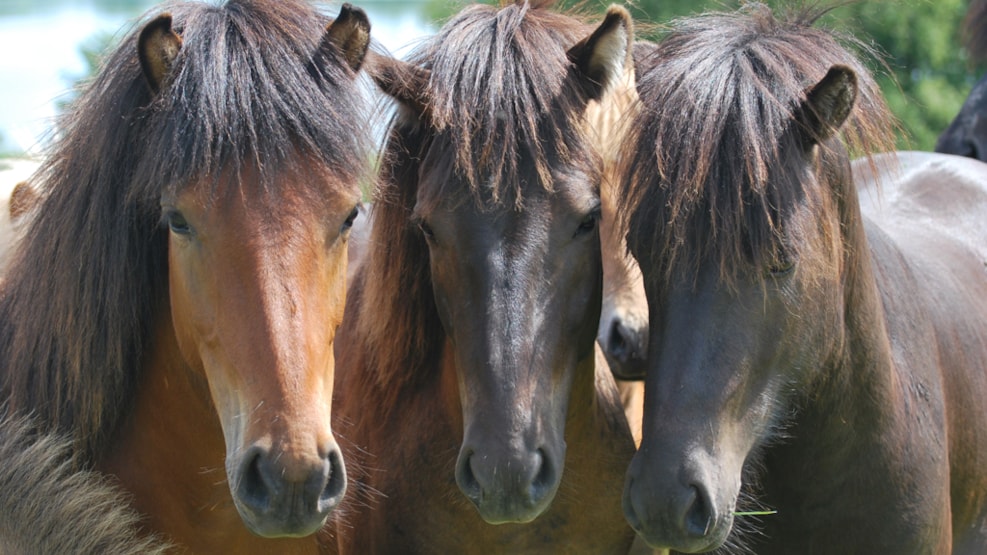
[(828, 104), (349, 35), (157, 48), (600, 58)]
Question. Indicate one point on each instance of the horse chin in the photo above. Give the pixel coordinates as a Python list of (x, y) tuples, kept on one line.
[(512, 511)]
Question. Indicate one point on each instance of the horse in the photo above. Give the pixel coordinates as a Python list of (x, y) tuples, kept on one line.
[(172, 307), (470, 327), (816, 373), (48, 507), (18, 199), (966, 135), (623, 330)]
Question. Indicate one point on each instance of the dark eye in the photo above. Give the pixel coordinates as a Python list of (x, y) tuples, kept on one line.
[(588, 224), (426, 230), (177, 223), (782, 266), (350, 220)]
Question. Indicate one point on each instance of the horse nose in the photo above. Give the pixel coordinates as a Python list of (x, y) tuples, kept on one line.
[(282, 496), (517, 488), (684, 519), (625, 351)]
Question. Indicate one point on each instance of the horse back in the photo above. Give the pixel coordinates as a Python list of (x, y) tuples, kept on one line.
[(927, 228)]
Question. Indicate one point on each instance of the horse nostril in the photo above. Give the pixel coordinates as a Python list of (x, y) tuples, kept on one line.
[(335, 486), (699, 514), (545, 478), (466, 479), (617, 343), (254, 489)]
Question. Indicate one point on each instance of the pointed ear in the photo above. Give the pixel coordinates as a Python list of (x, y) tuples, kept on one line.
[(402, 81), (600, 58), (828, 104), (157, 48), (349, 35)]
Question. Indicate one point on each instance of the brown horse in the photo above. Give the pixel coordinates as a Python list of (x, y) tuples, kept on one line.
[(472, 324), (623, 331), (809, 359), (173, 306)]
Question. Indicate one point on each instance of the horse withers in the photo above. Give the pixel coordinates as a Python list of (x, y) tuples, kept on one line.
[(472, 325), (819, 365), (173, 304)]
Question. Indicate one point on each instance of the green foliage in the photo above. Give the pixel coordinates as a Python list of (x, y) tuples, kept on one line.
[(929, 75)]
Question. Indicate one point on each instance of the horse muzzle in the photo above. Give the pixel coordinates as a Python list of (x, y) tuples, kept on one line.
[(278, 497)]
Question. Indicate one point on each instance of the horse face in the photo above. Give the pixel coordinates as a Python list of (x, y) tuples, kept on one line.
[(730, 348), (518, 293), (623, 330), (256, 301), (726, 361)]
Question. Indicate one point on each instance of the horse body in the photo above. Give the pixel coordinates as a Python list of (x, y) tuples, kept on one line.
[(192, 231), (805, 358), (472, 322)]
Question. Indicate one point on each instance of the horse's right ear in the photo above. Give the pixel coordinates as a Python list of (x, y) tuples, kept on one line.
[(402, 81), (157, 48), (828, 104), (349, 33), (600, 58)]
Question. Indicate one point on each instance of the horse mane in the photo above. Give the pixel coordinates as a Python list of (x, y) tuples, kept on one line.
[(974, 30), (48, 507), (499, 105), (250, 88), (706, 174)]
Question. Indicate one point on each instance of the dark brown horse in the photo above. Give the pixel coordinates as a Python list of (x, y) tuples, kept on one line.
[(472, 411), (173, 307), (804, 358), (967, 133)]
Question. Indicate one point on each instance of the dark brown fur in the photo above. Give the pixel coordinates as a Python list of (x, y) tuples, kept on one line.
[(806, 355), (490, 114)]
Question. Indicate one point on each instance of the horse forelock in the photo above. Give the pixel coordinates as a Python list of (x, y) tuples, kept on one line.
[(511, 102), (84, 289), (714, 168)]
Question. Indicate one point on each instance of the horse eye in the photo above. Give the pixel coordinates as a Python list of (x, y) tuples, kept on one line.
[(426, 230), (177, 223), (783, 266), (588, 224), (350, 220)]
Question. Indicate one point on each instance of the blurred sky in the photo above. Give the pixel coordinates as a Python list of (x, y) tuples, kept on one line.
[(40, 55)]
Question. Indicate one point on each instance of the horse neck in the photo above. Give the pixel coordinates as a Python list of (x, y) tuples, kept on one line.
[(172, 436)]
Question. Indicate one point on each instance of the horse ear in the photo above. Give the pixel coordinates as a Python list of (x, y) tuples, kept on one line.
[(828, 104), (349, 34), (157, 48), (600, 58), (402, 81)]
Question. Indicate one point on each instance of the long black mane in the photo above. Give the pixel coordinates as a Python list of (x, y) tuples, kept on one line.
[(250, 87), (707, 173)]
